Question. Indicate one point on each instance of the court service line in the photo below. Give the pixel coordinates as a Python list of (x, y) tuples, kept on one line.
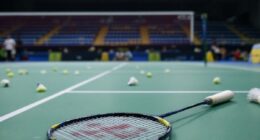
[(145, 91), (55, 95)]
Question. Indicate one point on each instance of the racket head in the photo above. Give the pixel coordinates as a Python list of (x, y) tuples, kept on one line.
[(112, 126)]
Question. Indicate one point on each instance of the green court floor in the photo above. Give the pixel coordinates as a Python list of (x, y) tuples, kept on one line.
[(102, 88)]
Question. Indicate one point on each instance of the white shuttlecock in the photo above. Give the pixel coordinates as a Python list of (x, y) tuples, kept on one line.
[(43, 71), (76, 72), (167, 70), (22, 72), (65, 72), (216, 80), (5, 83), (142, 72), (41, 88), (254, 95), (132, 81)]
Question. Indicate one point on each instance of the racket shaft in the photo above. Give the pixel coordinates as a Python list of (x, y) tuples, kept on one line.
[(183, 109)]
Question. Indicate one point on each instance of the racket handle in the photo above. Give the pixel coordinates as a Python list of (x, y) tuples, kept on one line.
[(220, 97)]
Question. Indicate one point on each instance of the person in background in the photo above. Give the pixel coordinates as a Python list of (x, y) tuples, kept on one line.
[(244, 55), (9, 47), (216, 51), (128, 55), (237, 54), (223, 53), (120, 55)]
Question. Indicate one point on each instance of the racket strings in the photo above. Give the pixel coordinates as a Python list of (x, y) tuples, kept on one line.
[(112, 128), (122, 133)]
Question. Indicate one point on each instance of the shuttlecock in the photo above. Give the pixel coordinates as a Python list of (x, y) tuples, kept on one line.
[(41, 88), (25, 72), (149, 75), (142, 71), (132, 81), (65, 71), (216, 80), (254, 95), (167, 70), (10, 74), (76, 72), (22, 72), (43, 71), (5, 83)]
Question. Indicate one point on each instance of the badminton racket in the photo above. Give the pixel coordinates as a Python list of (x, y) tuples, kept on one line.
[(127, 126)]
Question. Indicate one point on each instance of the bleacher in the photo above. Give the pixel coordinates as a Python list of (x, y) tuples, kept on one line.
[(83, 30), (123, 30), (166, 30), (76, 31), (123, 34), (167, 34), (248, 31), (32, 28), (219, 33), (6, 25)]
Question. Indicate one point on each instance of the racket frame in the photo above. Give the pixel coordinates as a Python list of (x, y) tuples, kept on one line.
[(148, 117)]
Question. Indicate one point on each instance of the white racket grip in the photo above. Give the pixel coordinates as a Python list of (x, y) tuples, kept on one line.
[(220, 97)]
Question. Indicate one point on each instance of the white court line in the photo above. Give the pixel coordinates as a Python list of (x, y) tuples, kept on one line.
[(145, 91), (55, 95), (218, 65), (233, 67)]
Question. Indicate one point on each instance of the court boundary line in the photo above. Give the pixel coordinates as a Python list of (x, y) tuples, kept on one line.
[(148, 92), (57, 94)]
